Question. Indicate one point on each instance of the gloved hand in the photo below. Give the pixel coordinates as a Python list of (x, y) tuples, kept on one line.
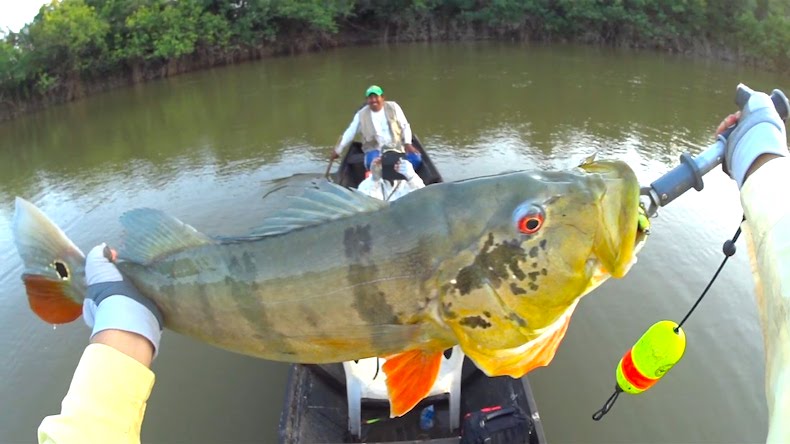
[(405, 168), (113, 303), (760, 131)]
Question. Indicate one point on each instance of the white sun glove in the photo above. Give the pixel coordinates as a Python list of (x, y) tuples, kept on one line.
[(760, 131), (406, 169), (115, 304)]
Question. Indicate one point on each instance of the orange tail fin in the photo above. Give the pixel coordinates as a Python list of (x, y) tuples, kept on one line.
[(48, 299), (54, 268), (410, 376)]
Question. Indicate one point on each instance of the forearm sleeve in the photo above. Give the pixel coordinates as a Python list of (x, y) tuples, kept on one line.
[(768, 233), (348, 135), (105, 402)]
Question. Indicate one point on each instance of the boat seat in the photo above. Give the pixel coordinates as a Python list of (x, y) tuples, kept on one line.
[(360, 383)]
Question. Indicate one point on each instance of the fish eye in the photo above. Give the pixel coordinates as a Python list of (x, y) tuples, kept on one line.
[(529, 219)]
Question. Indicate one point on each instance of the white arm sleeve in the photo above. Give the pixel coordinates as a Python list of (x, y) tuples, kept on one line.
[(348, 136), (404, 124), (415, 183), (767, 227)]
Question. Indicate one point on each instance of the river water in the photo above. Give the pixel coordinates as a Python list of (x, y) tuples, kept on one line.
[(202, 147)]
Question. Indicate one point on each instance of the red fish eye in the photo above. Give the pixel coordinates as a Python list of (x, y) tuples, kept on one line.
[(530, 224)]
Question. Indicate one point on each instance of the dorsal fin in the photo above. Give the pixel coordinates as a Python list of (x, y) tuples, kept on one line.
[(589, 159), (150, 234), (322, 202)]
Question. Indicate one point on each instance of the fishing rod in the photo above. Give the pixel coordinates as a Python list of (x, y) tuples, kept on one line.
[(663, 344), (691, 169)]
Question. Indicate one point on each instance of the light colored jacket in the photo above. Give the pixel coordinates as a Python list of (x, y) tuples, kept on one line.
[(384, 190), (767, 229), (399, 129), (105, 402)]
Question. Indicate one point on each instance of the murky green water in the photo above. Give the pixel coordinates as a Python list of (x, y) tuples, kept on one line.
[(202, 146)]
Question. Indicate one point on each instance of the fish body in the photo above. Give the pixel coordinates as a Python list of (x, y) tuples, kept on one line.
[(495, 264)]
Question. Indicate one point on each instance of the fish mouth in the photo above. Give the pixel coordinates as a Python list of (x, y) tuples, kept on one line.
[(618, 237)]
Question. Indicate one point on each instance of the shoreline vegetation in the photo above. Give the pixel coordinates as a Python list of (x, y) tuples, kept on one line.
[(74, 48)]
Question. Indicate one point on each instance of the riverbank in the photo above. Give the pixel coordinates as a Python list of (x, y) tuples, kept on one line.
[(77, 48)]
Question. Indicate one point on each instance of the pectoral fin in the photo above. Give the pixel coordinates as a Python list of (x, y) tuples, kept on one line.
[(410, 376), (517, 362)]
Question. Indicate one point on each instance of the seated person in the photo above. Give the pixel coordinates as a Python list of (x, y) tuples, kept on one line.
[(384, 128), (375, 185)]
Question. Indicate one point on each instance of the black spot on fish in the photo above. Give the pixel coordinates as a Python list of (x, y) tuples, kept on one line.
[(515, 289), (371, 305), (357, 242), (544, 272), (533, 252), (533, 276), (543, 244), (492, 265), (533, 286), (475, 322), (517, 272), (469, 278), (487, 314), (534, 265), (517, 319), (370, 302), (489, 242), (260, 321)]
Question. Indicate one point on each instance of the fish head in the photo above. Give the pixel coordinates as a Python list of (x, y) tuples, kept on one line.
[(539, 243)]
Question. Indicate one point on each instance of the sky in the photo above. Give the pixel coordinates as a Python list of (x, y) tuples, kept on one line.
[(14, 14)]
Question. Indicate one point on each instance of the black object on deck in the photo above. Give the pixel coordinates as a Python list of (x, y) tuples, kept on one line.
[(315, 410)]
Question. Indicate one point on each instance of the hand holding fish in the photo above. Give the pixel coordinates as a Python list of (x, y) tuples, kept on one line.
[(113, 304)]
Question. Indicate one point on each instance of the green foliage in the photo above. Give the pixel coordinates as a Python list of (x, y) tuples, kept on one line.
[(68, 37), (71, 40), (163, 30), (321, 15)]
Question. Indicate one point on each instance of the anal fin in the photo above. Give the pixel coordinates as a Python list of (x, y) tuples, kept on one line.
[(410, 377)]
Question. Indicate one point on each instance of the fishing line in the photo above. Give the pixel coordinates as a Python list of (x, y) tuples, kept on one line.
[(728, 249), (659, 349)]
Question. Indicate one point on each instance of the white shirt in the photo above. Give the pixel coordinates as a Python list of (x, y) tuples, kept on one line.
[(384, 190), (383, 133)]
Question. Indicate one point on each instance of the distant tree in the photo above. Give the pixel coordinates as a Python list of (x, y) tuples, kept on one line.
[(67, 37)]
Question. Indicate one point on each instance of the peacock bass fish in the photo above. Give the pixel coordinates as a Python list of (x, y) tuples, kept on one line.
[(496, 264)]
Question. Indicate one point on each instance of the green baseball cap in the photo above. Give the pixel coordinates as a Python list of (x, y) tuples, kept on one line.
[(374, 89)]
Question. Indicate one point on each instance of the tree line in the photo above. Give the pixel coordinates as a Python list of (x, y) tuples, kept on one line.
[(74, 44)]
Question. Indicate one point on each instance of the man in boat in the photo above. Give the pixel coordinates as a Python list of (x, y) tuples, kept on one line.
[(107, 397), (375, 185), (384, 128)]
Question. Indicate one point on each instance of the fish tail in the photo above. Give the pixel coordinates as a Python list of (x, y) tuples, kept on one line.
[(54, 268)]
